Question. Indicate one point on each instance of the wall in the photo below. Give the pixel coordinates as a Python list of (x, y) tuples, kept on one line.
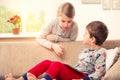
[(86, 13)]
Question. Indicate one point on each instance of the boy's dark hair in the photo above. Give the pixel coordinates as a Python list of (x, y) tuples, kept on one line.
[(66, 9), (98, 30)]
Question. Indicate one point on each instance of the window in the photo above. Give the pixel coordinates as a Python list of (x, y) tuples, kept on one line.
[(33, 13)]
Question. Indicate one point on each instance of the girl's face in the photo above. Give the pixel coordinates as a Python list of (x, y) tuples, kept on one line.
[(65, 22), (86, 38)]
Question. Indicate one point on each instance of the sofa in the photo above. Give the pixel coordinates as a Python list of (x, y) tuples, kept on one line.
[(17, 57)]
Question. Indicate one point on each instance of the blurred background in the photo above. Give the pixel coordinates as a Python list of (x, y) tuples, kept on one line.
[(36, 13)]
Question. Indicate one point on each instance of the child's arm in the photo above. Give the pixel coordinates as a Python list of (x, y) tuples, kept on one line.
[(99, 67), (41, 38), (73, 34)]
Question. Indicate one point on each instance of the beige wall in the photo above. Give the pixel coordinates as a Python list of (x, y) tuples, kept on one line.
[(86, 13)]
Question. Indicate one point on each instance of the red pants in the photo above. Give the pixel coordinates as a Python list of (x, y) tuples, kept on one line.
[(56, 70)]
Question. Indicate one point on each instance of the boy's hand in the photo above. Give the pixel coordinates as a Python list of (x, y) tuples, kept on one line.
[(58, 49)]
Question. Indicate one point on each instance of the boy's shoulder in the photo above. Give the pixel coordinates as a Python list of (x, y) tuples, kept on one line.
[(97, 50)]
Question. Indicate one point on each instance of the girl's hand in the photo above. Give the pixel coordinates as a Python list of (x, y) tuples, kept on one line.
[(50, 37), (58, 49)]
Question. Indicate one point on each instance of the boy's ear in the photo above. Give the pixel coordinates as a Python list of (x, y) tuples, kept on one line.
[(93, 40)]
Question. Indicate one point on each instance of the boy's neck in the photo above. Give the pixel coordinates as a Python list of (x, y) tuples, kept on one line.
[(94, 47)]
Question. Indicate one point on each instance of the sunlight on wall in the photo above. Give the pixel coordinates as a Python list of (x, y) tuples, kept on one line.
[(26, 7), (36, 8)]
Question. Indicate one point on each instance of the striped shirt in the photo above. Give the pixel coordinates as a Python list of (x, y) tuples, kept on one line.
[(54, 28)]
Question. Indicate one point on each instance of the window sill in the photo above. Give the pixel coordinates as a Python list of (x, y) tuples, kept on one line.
[(19, 37)]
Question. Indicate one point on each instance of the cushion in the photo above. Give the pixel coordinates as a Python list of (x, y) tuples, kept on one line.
[(114, 72), (110, 57)]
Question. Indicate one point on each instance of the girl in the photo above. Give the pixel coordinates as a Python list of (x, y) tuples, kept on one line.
[(63, 28), (90, 65)]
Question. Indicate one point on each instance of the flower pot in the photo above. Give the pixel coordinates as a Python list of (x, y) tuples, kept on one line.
[(16, 31)]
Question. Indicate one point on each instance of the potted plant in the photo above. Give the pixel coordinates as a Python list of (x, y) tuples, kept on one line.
[(16, 21)]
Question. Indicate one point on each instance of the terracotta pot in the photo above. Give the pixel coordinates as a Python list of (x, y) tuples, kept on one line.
[(16, 31)]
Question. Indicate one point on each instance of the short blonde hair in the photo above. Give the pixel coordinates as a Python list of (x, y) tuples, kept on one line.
[(67, 9)]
